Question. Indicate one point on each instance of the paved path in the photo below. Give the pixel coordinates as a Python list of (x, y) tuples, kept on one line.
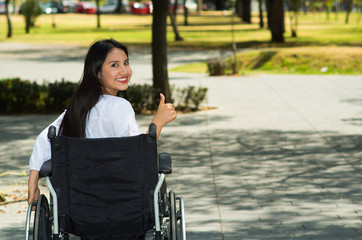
[(280, 157)]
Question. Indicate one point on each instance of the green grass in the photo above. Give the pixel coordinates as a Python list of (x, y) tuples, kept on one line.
[(323, 39), (297, 60), (205, 31)]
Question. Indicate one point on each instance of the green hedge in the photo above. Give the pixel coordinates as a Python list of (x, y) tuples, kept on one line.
[(22, 96)]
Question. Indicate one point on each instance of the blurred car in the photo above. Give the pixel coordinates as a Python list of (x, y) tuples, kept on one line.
[(141, 8), (69, 6), (52, 7), (85, 7), (111, 5), (3, 8)]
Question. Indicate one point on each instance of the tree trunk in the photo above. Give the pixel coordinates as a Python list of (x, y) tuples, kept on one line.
[(268, 11), (199, 6), (10, 28), (293, 27), (239, 8), (293, 14), (244, 10), (27, 26), (175, 8), (276, 20), (261, 18), (173, 15), (219, 4), (159, 48), (349, 4), (186, 14), (174, 27), (247, 11), (98, 15), (119, 8)]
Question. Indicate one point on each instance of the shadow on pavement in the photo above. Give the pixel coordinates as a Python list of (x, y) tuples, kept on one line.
[(266, 184), (270, 184), (15, 232)]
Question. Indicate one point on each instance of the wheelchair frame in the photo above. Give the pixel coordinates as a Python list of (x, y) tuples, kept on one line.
[(169, 218)]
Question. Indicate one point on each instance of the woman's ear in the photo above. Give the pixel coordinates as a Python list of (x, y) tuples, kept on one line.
[(100, 75)]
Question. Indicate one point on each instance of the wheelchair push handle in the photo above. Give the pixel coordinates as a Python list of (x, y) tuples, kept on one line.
[(52, 133), (152, 131)]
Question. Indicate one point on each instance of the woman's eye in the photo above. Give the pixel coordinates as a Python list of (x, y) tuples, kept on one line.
[(126, 62), (115, 65)]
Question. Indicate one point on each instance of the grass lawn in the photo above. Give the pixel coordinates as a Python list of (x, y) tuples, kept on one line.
[(333, 43)]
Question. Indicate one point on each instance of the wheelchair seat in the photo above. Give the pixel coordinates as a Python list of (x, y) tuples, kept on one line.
[(104, 188)]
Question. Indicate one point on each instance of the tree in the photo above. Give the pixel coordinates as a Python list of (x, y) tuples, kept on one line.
[(261, 18), (159, 48), (98, 15), (186, 14), (294, 5), (10, 28), (32, 10), (173, 15), (244, 10), (349, 4), (276, 19), (119, 8)]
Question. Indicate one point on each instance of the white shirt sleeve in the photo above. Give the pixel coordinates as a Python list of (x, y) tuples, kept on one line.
[(41, 150), (123, 120)]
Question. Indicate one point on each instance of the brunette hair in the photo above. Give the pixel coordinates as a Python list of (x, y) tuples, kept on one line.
[(89, 90)]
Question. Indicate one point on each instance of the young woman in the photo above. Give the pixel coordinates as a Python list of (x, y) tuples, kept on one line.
[(95, 111)]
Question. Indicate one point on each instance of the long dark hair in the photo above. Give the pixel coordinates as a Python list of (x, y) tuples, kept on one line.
[(89, 90)]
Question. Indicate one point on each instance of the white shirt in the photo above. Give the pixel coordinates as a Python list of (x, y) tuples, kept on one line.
[(111, 117)]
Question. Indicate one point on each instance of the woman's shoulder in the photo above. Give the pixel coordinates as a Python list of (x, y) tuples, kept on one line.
[(114, 102), (113, 99)]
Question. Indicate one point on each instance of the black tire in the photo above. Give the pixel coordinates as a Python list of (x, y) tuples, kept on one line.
[(42, 225), (173, 216)]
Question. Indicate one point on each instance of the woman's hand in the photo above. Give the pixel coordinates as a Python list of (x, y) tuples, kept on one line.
[(33, 190), (165, 113)]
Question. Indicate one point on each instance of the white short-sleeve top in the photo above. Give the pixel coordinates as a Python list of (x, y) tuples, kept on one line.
[(111, 117)]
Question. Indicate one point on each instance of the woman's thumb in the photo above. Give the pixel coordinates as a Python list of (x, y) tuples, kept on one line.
[(162, 100)]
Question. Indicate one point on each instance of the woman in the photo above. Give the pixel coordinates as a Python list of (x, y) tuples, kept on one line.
[(95, 111)]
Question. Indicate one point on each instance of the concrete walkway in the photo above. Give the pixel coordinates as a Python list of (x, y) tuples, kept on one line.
[(279, 158)]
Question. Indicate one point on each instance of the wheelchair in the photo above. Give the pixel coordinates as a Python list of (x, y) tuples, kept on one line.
[(105, 189)]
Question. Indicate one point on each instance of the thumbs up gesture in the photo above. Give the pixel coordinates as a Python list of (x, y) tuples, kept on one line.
[(165, 114)]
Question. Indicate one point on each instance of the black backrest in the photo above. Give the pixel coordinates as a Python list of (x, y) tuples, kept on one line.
[(105, 186)]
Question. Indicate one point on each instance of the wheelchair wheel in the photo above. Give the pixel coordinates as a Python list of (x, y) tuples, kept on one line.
[(173, 216), (42, 226)]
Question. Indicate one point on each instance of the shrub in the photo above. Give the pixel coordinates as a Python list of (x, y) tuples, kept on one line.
[(19, 96), (58, 95), (190, 98), (142, 97), (216, 67)]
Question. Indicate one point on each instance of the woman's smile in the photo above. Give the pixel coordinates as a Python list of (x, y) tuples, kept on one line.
[(116, 72), (122, 80)]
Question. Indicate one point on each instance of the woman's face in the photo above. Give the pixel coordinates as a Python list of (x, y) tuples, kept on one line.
[(116, 72)]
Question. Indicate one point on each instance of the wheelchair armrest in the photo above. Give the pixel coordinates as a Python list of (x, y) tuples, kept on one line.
[(164, 163), (46, 169)]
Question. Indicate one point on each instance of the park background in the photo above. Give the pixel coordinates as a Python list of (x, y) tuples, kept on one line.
[(325, 44)]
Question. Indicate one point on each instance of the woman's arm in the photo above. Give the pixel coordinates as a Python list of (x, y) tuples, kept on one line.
[(33, 190), (165, 113)]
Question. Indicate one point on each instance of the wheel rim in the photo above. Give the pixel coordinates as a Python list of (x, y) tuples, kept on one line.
[(42, 228), (173, 216)]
